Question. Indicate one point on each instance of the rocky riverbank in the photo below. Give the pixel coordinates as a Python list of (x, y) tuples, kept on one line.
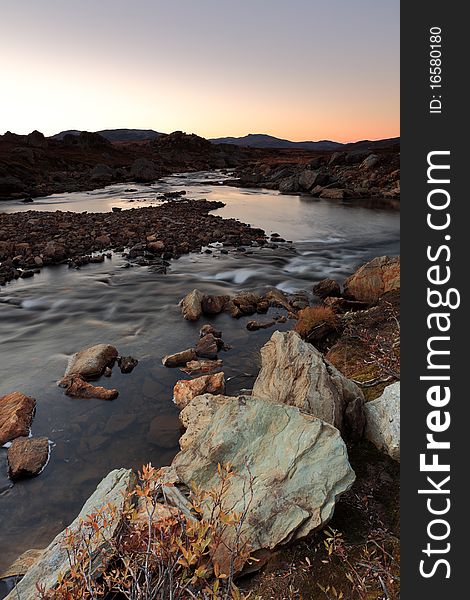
[(148, 236), (311, 435), (32, 165), (348, 175)]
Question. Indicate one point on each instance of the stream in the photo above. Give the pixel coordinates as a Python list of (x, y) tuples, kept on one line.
[(45, 319)]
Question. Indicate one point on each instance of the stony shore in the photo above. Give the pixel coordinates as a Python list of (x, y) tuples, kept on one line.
[(349, 175), (152, 235)]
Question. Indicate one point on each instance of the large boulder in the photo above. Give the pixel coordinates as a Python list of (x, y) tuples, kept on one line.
[(375, 278), (289, 468), (383, 421), (295, 373), (91, 362), (102, 173), (16, 416), (144, 170), (289, 185), (27, 456), (55, 559)]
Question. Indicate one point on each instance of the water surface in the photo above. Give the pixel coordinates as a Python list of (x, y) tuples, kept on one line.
[(45, 319)]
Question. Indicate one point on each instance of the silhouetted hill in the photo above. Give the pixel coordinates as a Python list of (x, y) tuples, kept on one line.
[(262, 140), (116, 135)]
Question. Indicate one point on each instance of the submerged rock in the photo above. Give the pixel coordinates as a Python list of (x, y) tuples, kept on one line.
[(187, 389), (91, 362), (295, 373), (27, 456), (55, 559), (289, 467), (164, 431), (16, 416), (256, 325), (383, 421), (79, 388), (375, 278)]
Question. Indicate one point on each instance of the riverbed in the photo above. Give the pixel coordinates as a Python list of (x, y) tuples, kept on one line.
[(43, 320)]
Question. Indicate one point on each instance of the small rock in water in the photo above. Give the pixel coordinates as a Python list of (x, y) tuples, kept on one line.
[(202, 366), (179, 358), (255, 325), (191, 305), (79, 388), (116, 209), (16, 416), (27, 456), (91, 362), (213, 305), (185, 390), (205, 329), (127, 363), (207, 347)]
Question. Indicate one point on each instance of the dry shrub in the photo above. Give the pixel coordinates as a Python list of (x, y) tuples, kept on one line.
[(160, 552)]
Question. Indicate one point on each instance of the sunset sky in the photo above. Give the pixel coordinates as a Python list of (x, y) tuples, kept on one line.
[(297, 69)]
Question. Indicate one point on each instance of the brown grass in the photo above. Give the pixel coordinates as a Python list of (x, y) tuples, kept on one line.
[(314, 316)]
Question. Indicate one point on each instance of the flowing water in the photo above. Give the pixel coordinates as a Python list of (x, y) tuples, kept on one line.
[(45, 319)]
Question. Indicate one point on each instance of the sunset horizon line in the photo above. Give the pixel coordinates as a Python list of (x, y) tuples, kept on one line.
[(257, 133)]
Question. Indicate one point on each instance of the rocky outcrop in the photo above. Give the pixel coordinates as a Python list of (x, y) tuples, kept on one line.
[(91, 362), (383, 421), (355, 174), (289, 467), (27, 456), (295, 373), (55, 560), (187, 389), (375, 278), (16, 416)]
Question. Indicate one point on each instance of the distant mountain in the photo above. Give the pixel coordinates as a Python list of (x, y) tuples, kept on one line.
[(372, 144), (117, 135), (261, 140)]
